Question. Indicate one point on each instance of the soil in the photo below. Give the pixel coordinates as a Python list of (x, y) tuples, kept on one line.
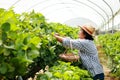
[(105, 62)]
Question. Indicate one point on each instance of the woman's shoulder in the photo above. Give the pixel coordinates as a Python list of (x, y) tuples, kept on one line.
[(85, 41)]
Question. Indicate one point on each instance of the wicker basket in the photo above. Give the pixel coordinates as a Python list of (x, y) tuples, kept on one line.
[(70, 57)]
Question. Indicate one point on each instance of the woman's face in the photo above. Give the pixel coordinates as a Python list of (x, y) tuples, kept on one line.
[(81, 34)]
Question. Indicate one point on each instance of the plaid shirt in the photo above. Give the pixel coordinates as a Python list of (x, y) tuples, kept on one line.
[(87, 52)]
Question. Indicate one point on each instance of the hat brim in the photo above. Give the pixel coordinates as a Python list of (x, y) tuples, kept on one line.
[(86, 30)]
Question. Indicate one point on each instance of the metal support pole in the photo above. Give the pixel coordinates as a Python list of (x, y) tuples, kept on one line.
[(93, 9), (112, 14), (103, 11)]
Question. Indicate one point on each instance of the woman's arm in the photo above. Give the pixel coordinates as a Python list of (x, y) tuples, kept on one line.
[(59, 38), (76, 44)]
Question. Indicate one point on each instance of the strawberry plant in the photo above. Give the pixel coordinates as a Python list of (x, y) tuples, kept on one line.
[(18, 47), (110, 43), (27, 43), (63, 71)]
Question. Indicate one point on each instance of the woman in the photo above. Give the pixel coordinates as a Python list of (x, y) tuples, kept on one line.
[(87, 50)]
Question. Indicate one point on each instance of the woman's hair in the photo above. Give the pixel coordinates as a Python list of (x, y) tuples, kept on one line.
[(87, 36)]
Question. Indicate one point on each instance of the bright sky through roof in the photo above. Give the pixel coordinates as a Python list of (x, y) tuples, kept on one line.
[(63, 10)]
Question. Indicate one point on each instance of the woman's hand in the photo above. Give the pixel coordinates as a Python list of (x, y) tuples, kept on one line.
[(58, 37), (56, 34)]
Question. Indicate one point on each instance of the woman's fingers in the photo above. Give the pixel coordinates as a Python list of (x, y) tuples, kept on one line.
[(56, 34)]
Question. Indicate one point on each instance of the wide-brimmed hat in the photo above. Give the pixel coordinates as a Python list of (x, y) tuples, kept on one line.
[(88, 28)]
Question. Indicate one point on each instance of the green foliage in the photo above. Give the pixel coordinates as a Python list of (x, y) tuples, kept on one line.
[(5, 27), (50, 48), (27, 43), (111, 44), (18, 45), (64, 71)]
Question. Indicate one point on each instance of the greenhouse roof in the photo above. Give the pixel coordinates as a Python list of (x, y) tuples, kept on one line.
[(99, 12)]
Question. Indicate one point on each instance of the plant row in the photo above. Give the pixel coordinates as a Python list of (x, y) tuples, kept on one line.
[(27, 44), (111, 45)]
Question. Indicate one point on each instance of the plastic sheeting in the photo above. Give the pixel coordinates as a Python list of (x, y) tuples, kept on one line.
[(97, 11)]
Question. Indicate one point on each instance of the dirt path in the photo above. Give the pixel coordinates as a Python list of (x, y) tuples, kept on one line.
[(104, 61)]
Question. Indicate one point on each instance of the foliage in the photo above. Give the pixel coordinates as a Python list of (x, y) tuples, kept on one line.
[(19, 44), (110, 43), (63, 71), (27, 43)]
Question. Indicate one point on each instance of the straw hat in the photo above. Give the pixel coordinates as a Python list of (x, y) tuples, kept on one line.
[(88, 28)]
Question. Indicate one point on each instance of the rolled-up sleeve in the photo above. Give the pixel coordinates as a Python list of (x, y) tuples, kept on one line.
[(75, 43)]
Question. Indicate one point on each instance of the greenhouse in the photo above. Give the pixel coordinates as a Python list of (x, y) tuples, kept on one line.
[(59, 40)]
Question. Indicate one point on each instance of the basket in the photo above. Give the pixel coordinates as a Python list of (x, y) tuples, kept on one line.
[(70, 57)]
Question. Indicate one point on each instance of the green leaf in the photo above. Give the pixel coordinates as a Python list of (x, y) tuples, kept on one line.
[(12, 35), (48, 74), (14, 27), (33, 54), (25, 40), (6, 52), (35, 40), (5, 26), (25, 60), (25, 47), (0, 42), (57, 74), (3, 68), (1, 49), (9, 47), (4, 36), (42, 77), (10, 68)]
